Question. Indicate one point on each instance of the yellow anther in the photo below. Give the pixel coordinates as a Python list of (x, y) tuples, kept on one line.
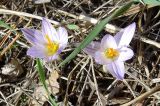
[(111, 53), (51, 47), (48, 39)]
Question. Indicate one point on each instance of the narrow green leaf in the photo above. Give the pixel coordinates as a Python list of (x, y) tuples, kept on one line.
[(41, 73), (42, 79), (149, 2), (96, 30), (3, 24)]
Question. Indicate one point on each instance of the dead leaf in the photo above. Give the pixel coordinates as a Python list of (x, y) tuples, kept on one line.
[(40, 95), (53, 87), (52, 82), (13, 69)]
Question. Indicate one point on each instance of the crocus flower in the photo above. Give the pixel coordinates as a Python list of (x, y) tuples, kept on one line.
[(113, 51), (48, 43)]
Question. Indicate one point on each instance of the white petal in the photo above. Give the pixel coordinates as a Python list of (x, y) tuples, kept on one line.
[(117, 69), (124, 37), (125, 54), (92, 48), (108, 41), (33, 36), (48, 29), (36, 52), (101, 59), (63, 35), (51, 58), (118, 36)]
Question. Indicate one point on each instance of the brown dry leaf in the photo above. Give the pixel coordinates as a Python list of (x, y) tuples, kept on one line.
[(53, 87), (52, 82), (40, 95), (13, 68)]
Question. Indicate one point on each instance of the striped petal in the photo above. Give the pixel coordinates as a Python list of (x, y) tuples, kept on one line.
[(117, 69), (36, 52), (48, 29), (124, 37), (62, 35), (101, 59), (108, 41), (125, 54), (92, 48), (51, 58), (33, 36)]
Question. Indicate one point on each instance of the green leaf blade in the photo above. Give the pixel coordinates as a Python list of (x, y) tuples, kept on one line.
[(3, 24), (96, 30), (149, 2), (42, 79), (41, 73)]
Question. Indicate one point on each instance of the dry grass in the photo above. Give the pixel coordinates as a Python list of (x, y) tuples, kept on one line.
[(82, 81)]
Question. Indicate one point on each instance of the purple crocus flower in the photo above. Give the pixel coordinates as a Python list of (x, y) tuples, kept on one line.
[(113, 51), (48, 43)]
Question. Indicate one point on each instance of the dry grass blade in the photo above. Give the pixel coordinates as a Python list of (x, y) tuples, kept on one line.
[(82, 81), (143, 96), (10, 44)]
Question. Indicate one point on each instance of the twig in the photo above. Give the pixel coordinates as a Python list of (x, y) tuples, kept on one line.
[(143, 96), (109, 27), (69, 81), (20, 91), (80, 71), (125, 82), (1, 100), (85, 82), (112, 84), (4, 50), (100, 6), (4, 98), (25, 85), (4, 11), (143, 84), (95, 81), (152, 42)]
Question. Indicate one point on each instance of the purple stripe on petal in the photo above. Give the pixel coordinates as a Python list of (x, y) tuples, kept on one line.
[(48, 29), (60, 50), (110, 69), (62, 46), (29, 35), (92, 48), (33, 36), (62, 35), (125, 36), (36, 52), (51, 58), (118, 36), (117, 69)]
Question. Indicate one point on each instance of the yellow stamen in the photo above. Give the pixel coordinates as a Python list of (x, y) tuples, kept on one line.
[(111, 53), (52, 47)]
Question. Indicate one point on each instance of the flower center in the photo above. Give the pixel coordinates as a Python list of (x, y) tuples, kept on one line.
[(111, 53), (52, 47)]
